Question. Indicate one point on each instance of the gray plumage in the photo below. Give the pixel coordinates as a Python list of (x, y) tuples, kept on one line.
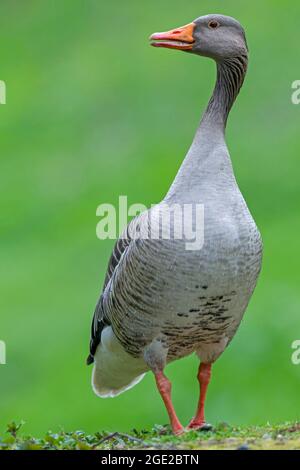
[(160, 301)]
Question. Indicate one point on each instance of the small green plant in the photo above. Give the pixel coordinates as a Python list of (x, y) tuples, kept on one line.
[(223, 436)]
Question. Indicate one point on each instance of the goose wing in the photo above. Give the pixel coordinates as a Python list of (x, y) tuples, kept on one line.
[(99, 320)]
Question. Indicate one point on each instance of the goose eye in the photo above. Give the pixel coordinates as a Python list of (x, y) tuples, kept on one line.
[(213, 24)]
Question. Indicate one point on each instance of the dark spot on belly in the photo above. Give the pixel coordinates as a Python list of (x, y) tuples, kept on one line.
[(168, 333), (218, 297), (182, 315), (194, 310), (196, 287), (204, 287), (223, 310)]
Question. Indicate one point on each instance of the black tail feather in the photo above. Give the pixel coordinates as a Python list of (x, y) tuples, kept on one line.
[(90, 360)]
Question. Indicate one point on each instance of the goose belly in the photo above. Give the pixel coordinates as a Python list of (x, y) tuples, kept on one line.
[(190, 300)]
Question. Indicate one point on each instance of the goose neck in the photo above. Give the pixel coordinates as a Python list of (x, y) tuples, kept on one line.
[(231, 73)]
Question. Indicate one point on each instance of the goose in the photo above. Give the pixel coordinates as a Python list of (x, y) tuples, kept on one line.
[(162, 301)]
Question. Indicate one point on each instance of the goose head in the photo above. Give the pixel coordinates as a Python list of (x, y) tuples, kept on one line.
[(215, 36)]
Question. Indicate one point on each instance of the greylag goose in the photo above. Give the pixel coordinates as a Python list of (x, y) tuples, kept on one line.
[(161, 300)]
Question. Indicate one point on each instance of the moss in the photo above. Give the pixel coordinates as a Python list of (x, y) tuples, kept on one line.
[(223, 436)]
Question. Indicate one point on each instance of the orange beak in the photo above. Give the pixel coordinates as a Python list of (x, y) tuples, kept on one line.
[(180, 38)]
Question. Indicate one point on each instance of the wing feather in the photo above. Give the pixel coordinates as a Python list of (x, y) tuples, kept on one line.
[(99, 321)]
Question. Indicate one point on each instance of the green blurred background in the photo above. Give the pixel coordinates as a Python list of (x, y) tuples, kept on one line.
[(93, 113)]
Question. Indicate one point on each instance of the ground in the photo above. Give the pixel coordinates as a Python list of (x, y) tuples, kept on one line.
[(223, 436)]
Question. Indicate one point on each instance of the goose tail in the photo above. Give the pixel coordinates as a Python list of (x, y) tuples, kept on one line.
[(115, 371)]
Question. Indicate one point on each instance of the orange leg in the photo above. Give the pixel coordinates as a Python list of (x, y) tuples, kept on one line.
[(204, 375), (164, 387)]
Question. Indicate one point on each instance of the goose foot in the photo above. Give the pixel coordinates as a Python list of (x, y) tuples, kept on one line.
[(199, 426), (179, 431)]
